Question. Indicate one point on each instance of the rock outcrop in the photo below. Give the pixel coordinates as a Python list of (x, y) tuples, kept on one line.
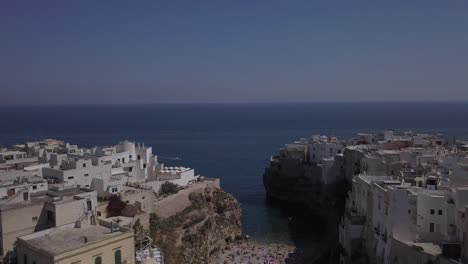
[(193, 235), (299, 182)]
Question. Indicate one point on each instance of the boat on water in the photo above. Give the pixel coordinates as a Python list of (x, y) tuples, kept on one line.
[(170, 158)]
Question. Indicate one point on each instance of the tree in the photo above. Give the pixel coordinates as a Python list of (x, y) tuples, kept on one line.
[(169, 188), (115, 206)]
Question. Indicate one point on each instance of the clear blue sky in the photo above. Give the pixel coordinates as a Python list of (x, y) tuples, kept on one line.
[(125, 51)]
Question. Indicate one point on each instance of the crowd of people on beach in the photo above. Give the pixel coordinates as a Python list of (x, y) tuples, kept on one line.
[(252, 252)]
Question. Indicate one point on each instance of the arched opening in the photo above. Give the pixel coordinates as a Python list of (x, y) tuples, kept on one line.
[(118, 257)]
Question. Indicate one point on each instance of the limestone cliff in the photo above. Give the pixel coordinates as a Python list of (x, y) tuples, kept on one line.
[(293, 181), (297, 181), (194, 234)]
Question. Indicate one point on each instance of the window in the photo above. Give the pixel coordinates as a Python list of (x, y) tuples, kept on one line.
[(432, 211), (25, 259), (118, 256), (144, 165), (84, 165), (34, 187), (138, 157), (130, 169), (34, 218), (114, 189), (431, 227), (123, 160), (89, 205), (71, 177), (86, 174), (409, 211), (98, 260), (129, 156), (440, 212)]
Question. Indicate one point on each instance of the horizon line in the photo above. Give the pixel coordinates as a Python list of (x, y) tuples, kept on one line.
[(235, 103)]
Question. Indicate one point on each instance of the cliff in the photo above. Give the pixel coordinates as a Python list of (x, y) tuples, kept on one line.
[(295, 181), (193, 235)]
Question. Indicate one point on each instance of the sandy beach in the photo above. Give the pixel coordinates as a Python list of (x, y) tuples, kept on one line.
[(253, 252)]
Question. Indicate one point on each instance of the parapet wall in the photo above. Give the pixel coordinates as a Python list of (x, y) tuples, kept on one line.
[(170, 205)]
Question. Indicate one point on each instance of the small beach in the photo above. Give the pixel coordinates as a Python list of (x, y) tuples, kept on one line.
[(253, 252)]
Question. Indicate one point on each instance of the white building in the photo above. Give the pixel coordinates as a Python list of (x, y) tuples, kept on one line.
[(80, 171), (29, 185), (322, 147), (12, 159), (137, 160)]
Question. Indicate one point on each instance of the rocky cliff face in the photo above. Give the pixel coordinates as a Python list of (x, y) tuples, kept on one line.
[(195, 234), (299, 182), (293, 181)]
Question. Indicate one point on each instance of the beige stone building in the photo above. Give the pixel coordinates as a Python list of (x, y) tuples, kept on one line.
[(27, 213), (90, 244)]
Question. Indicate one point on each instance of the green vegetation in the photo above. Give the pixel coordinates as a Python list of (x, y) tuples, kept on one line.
[(115, 206), (169, 188)]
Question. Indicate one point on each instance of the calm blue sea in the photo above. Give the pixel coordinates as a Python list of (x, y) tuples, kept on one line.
[(232, 142)]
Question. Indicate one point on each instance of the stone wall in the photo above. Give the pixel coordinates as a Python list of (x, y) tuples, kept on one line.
[(172, 204)]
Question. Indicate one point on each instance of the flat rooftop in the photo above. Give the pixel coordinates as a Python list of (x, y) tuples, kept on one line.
[(56, 241), (12, 152), (370, 178), (65, 195)]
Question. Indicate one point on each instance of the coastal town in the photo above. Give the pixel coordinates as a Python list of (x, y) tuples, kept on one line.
[(60, 203), (406, 201), (407, 195)]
